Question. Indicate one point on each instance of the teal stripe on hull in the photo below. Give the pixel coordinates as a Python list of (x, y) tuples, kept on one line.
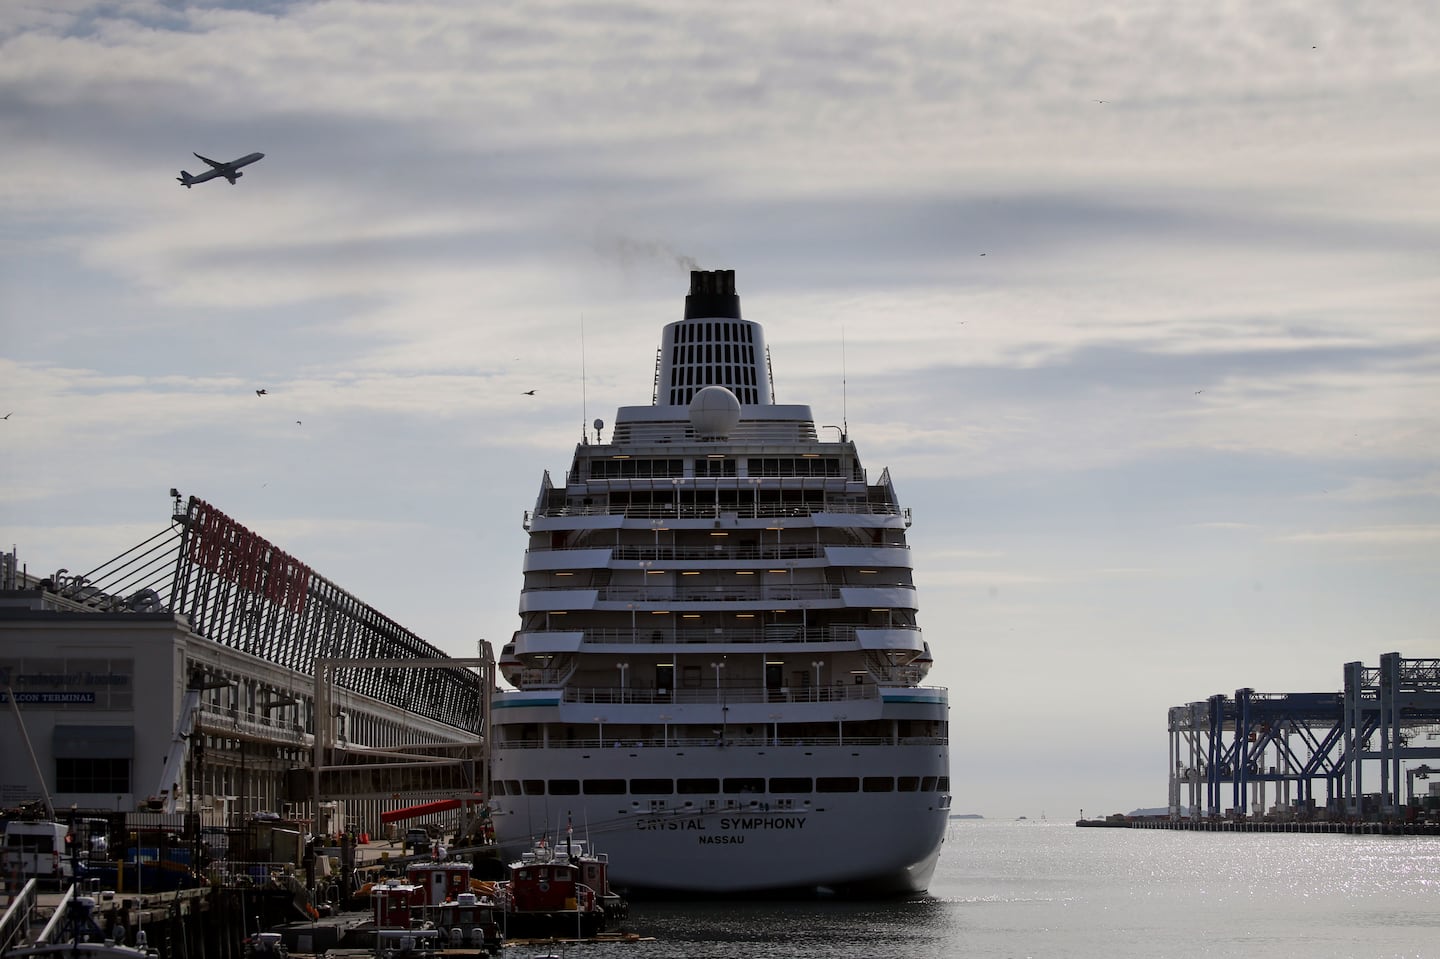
[(915, 698)]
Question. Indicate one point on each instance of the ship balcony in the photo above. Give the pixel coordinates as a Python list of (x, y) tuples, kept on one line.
[(856, 508), (877, 556), (543, 560), (759, 597), (635, 710), (730, 696), (878, 638)]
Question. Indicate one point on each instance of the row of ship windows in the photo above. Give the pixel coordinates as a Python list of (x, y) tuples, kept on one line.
[(718, 354), (705, 330), (777, 785), (767, 466), (682, 394)]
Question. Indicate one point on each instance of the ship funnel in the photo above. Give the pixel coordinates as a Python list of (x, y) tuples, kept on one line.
[(712, 296), (713, 346)]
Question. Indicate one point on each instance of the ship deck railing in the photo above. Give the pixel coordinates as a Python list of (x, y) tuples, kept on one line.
[(726, 740), (718, 593), (719, 510), (663, 552), (725, 695), (778, 635)]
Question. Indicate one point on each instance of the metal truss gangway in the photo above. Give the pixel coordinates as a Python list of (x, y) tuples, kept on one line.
[(435, 770), (390, 718), (1290, 742), (243, 592)]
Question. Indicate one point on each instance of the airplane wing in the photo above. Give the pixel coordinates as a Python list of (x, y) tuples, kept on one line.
[(213, 163)]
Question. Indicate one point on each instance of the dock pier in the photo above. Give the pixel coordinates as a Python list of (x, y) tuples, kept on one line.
[(1373, 828)]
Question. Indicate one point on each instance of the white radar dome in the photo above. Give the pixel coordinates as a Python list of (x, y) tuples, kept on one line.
[(714, 412)]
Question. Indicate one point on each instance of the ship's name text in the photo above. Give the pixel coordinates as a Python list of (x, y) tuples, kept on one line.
[(727, 823)]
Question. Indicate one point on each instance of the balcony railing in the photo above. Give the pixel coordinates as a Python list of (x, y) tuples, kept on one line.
[(718, 510), (724, 740), (665, 553), (718, 593), (648, 636), (726, 695)]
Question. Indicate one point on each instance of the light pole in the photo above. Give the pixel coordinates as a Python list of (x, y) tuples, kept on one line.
[(818, 664), (600, 721), (775, 729), (624, 668), (665, 718), (840, 727), (717, 667)]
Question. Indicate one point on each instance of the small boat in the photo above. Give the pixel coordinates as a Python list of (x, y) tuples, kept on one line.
[(546, 894), (469, 922)]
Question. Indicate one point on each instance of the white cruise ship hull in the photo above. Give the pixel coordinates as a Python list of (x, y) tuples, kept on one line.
[(851, 843)]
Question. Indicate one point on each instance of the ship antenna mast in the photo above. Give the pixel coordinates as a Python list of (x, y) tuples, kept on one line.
[(844, 389), (584, 404)]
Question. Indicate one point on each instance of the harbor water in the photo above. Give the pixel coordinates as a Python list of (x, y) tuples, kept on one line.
[(1052, 891)]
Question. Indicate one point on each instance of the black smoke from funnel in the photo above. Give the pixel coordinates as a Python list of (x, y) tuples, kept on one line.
[(629, 250)]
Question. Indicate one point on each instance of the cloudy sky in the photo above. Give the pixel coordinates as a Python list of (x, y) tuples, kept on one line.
[(1140, 304)]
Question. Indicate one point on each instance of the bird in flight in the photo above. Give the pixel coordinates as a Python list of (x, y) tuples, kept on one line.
[(297, 422), (260, 392), (7, 415), (528, 393)]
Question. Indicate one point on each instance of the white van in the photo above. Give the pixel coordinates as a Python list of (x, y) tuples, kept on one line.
[(37, 849)]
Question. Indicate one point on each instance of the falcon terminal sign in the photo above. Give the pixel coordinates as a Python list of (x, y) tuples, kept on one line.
[(106, 683)]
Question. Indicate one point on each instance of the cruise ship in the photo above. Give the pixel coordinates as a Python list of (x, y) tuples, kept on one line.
[(718, 675)]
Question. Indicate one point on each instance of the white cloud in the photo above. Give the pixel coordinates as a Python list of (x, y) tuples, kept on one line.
[(1382, 535)]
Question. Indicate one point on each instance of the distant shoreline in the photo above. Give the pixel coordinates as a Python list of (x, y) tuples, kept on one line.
[(966, 815)]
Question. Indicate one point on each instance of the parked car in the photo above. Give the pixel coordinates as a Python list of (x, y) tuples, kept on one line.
[(417, 840), (216, 840)]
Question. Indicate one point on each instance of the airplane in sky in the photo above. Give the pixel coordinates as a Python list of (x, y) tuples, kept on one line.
[(230, 171)]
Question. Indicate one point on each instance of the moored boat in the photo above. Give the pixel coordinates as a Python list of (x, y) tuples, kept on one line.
[(545, 893)]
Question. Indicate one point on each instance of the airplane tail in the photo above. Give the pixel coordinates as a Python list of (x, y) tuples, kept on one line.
[(186, 179)]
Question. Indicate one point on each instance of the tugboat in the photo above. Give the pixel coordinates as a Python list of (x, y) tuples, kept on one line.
[(546, 893), (397, 933), (469, 922)]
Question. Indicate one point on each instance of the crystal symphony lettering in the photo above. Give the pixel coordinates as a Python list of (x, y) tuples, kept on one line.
[(726, 823)]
